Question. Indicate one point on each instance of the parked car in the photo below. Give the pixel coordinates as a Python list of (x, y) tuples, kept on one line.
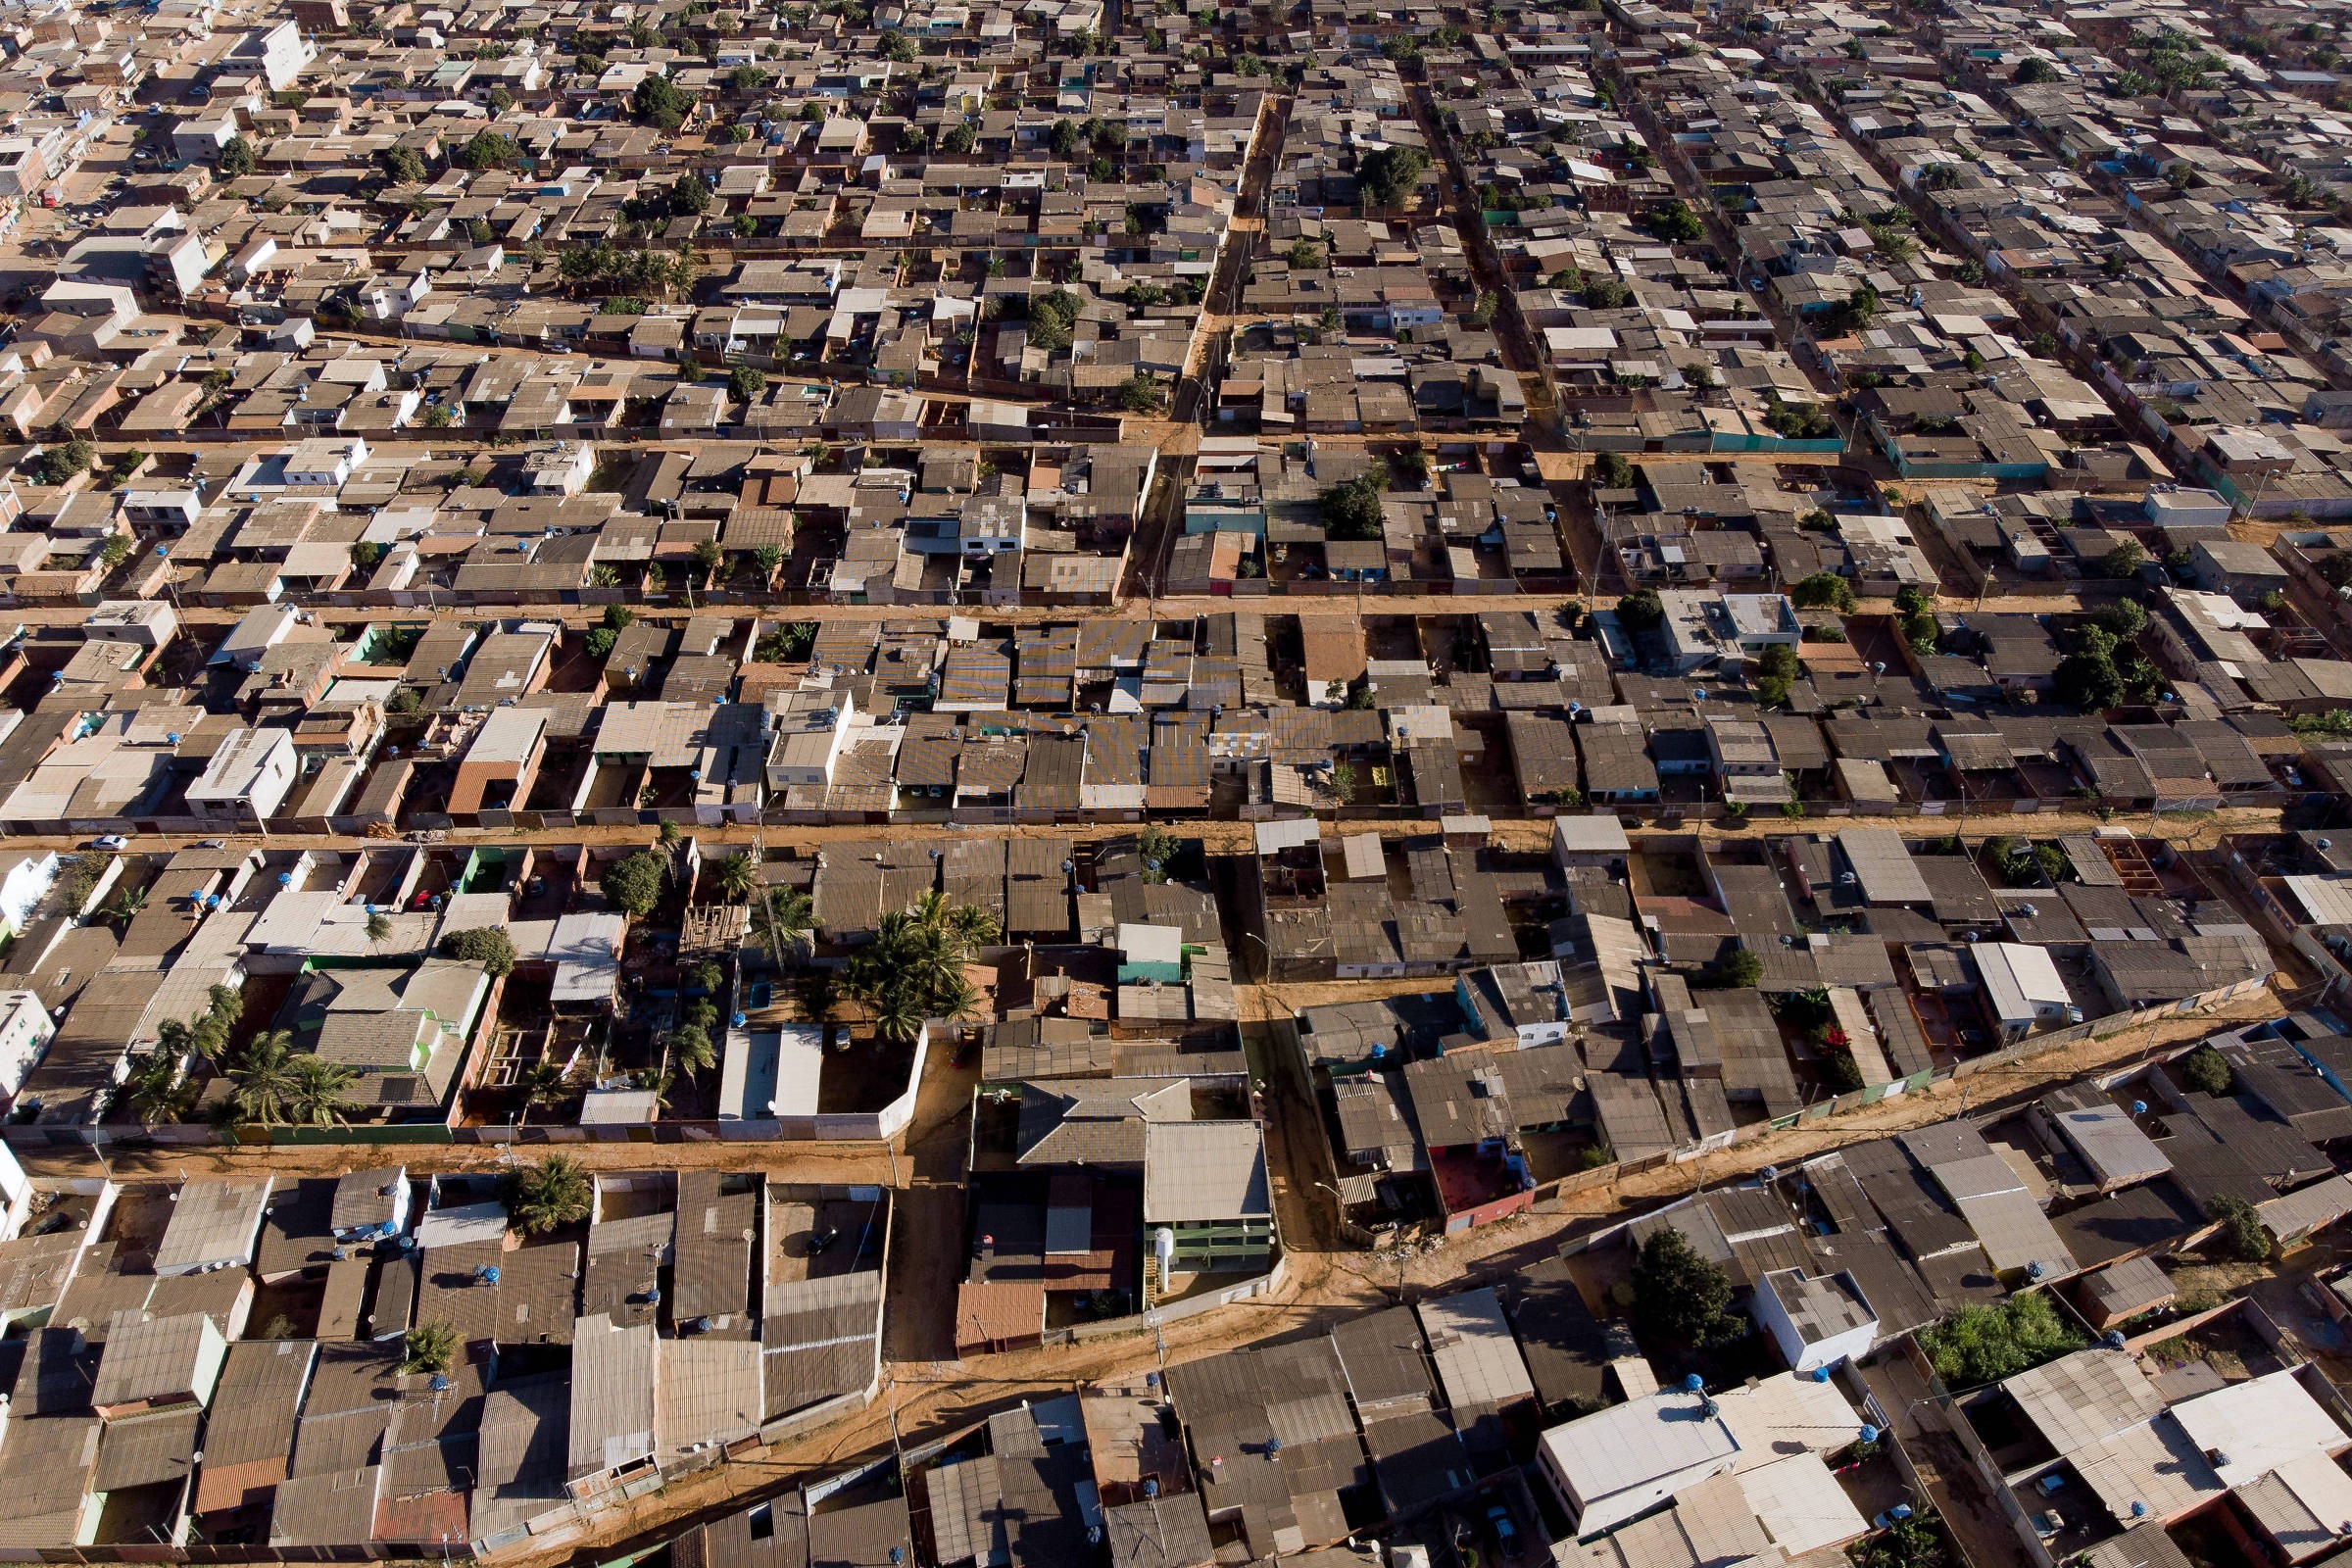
[(110, 841)]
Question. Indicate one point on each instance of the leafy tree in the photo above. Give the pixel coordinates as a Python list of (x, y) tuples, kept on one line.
[(1155, 846), (1051, 315), (2241, 1230), (1681, 1294), (1064, 139), (2088, 679), (2123, 619), (366, 554), (2205, 1071), (1409, 468), (897, 48), (2124, 559), (402, 165), (1142, 393), (1612, 471), (956, 139), (707, 559), (1739, 971), (1823, 590), (429, 1348), (633, 884), (2336, 568), (1607, 294), (746, 79), (1911, 598), (1775, 673), (490, 149), (1304, 254), (501, 100), (598, 644), (487, 945), (657, 101), (1351, 509), (549, 1195), (61, 464), (1391, 175), (1914, 1542), (2033, 72), (114, 552), (237, 158), (1676, 223), (688, 196), (1980, 1345), (746, 384), (1641, 609)]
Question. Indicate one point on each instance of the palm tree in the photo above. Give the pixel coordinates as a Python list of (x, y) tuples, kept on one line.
[(898, 1017), (127, 904), (969, 929), (428, 1347), (550, 1195), (156, 1090), (320, 1093), (690, 1043), (784, 917), (738, 878), (542, 1084), (265, 1077), (379, 928)]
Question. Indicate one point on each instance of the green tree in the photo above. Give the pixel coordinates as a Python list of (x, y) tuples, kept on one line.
[(1739, 971), (744, 383), (62, 462), (378, 928), (1679, 1295), (1677, 224), (549, 1195), (657, 101), (1064, 139), (486, 945), (747, 79), (784, 920), (2123, 619), (1611, 472), (1980, 1345), (2241, 1234), (2033, 72), (1304, 254), (490, 149), (1389, 175), (1641, 609), (501, 100), (2205, 1071), (1351, 509), (429, 1348), (1823, 590), (633, 884), (738, 879), (158, 1091), (402, 165), (688, 197), (708, 558), (1914, 1542), (320, 1095), (262, 1077), (1607, 294), (237, 158), (2124, 559), (2088, 679), (1142, 393), (956, 139)]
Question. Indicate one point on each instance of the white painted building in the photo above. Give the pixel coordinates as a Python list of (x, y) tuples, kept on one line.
[(1817, 1319), (25, 1029), (248, 777)]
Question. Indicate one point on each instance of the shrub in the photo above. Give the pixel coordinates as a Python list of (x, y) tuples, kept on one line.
[(1980, 1345)]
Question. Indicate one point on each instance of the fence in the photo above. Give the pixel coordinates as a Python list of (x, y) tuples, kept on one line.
[(847, 1127), (1158, 1316)]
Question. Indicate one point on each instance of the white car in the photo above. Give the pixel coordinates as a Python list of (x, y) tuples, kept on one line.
[(110, 841)]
